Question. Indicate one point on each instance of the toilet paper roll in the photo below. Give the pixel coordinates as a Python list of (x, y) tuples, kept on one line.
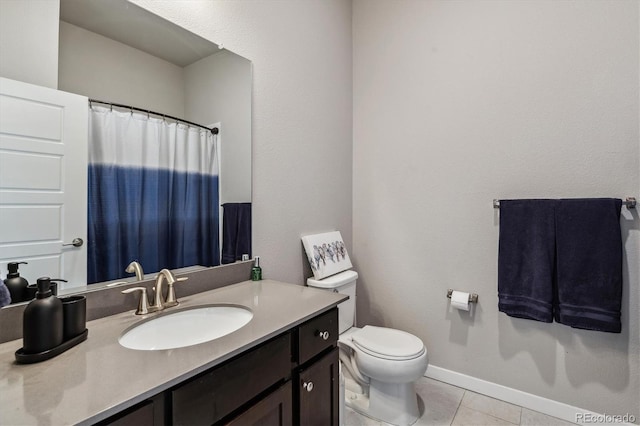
[(460, 300)]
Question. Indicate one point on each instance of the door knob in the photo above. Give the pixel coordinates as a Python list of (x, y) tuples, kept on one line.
[(308, 386), (77, 242)]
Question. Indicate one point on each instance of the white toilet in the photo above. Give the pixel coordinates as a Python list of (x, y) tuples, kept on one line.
[(380, 365)]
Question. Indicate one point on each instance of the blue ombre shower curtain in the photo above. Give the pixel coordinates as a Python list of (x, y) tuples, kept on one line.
[(153, 194)]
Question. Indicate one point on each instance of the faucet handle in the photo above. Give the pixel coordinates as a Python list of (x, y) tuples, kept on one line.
[(171, 299), (143, 304)]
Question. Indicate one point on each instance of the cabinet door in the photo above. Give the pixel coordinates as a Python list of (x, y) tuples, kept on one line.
[(318, 392), (274, 410)]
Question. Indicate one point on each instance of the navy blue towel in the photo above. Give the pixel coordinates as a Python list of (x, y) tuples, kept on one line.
[(589, 263), (526, 258), (236, 231)]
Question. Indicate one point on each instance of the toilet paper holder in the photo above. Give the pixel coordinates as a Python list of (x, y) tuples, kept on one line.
[(473, 297)]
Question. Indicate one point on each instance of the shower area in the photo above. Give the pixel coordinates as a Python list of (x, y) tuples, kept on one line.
[(152, 192)]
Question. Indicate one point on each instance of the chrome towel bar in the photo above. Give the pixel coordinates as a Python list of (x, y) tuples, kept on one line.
[(629, 202)]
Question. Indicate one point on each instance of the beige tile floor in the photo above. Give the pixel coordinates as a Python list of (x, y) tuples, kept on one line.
[(444, 404)]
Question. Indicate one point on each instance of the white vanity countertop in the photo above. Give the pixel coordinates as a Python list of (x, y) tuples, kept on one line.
[(99, 378)]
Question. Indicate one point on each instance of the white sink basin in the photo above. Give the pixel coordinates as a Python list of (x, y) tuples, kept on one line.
[(186, 327)]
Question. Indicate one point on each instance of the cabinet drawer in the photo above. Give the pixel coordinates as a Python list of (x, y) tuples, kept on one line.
[(317, 334), (210, 397)]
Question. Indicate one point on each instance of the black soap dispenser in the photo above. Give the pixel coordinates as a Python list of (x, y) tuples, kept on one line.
[(42, 325), (16, 284)]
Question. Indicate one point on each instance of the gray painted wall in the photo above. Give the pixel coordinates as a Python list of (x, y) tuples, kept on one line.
[(301, 124), (457, 103), (101, 68), (218, 90), (29, 41)]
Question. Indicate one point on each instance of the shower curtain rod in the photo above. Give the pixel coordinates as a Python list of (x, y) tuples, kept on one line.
[(213, 130)]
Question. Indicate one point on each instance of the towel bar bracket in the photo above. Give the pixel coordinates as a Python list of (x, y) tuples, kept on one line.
[(629, 202)]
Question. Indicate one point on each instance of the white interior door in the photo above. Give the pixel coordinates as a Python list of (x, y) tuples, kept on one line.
[(43, 181)]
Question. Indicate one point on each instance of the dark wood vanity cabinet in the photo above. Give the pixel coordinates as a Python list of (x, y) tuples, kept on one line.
[(290, 379)]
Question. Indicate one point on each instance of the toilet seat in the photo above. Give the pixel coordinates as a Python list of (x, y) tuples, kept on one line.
[(388, 343)]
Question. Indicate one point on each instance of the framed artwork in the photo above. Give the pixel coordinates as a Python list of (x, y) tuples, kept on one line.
[(326, 254)]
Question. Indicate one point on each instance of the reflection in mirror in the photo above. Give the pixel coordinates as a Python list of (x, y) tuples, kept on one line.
[(118, 52), (153, 194)]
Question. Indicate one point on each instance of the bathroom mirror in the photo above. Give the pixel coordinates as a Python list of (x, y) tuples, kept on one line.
[(116, 51)]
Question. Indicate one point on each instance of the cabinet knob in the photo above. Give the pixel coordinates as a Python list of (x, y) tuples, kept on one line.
[(308, 386), (324, 335)]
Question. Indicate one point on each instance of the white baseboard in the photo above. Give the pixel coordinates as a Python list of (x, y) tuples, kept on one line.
[(533, 402)]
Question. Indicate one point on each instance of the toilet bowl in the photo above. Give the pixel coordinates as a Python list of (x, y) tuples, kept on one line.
[(392, 360), (380, 364)]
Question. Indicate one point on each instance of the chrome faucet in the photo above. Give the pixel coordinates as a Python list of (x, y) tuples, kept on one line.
[(158, 304), (171, 299), (135, 267)]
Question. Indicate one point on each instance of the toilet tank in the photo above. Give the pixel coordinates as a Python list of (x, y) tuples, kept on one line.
[(343, 283)]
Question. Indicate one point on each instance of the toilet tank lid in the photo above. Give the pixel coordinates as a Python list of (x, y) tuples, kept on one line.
[(333, 281)]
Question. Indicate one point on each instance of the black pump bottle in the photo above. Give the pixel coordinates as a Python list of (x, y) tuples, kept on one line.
[(42, 324), (16, 284)]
